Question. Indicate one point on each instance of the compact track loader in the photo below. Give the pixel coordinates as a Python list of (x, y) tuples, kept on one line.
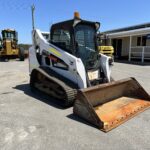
[(66, 64)]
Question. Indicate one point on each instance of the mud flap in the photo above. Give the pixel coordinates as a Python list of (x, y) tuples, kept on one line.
[(111, 104)]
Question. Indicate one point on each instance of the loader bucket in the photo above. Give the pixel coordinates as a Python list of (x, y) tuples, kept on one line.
[(111, 104)]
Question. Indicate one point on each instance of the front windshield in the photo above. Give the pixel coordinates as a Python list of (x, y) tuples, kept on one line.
[(85, 45), (9, 35)]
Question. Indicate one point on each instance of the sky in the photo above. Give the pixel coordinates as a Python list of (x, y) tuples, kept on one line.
[(112, 14)]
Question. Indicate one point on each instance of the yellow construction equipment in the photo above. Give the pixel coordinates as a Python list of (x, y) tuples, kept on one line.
[(106, 50), (9, 45)]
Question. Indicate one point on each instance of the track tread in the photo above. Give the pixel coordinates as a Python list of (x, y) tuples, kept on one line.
[(70, 90)]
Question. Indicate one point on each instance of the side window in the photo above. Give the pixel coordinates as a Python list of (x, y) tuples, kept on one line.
[(5, 35), (138, 41), (62, 39), (12, 35), (8, 35), (141, 41), (80, 38), (144, 41), (80, 44)]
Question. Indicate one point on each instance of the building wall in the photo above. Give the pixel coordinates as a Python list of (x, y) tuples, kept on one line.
[(148, 42), (134, 41), (126, 42), (113, 38)]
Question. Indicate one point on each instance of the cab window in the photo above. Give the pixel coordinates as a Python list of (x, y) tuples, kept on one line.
[(61, 38)]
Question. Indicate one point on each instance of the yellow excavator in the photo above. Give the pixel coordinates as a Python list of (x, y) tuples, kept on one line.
[(9, 45), (69, 67)]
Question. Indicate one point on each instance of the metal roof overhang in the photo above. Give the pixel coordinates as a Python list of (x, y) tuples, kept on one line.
[(129, 33)]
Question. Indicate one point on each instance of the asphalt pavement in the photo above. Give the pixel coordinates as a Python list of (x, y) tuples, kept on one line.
[(32, 121)]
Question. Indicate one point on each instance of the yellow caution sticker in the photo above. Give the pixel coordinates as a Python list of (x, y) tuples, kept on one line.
[(54, 51)]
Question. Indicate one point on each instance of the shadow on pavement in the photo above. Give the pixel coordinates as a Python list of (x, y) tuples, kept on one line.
[(4, 60), (39, 96), (78, 119), (48, 100)]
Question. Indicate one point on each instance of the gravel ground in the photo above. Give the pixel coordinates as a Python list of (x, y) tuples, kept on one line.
[(35, 122)]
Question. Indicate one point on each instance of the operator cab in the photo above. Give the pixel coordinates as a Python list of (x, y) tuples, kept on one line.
[(9, 34), (79, 38)]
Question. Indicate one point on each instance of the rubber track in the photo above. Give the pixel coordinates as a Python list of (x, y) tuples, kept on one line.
[(70, 90)]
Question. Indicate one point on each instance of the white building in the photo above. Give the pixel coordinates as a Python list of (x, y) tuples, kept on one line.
[(130, 42)]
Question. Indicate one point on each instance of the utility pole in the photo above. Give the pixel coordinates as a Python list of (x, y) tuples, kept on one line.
[(32, 9)]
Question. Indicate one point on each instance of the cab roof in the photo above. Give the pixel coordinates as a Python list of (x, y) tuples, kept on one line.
[(9, 30), (70, 24)]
